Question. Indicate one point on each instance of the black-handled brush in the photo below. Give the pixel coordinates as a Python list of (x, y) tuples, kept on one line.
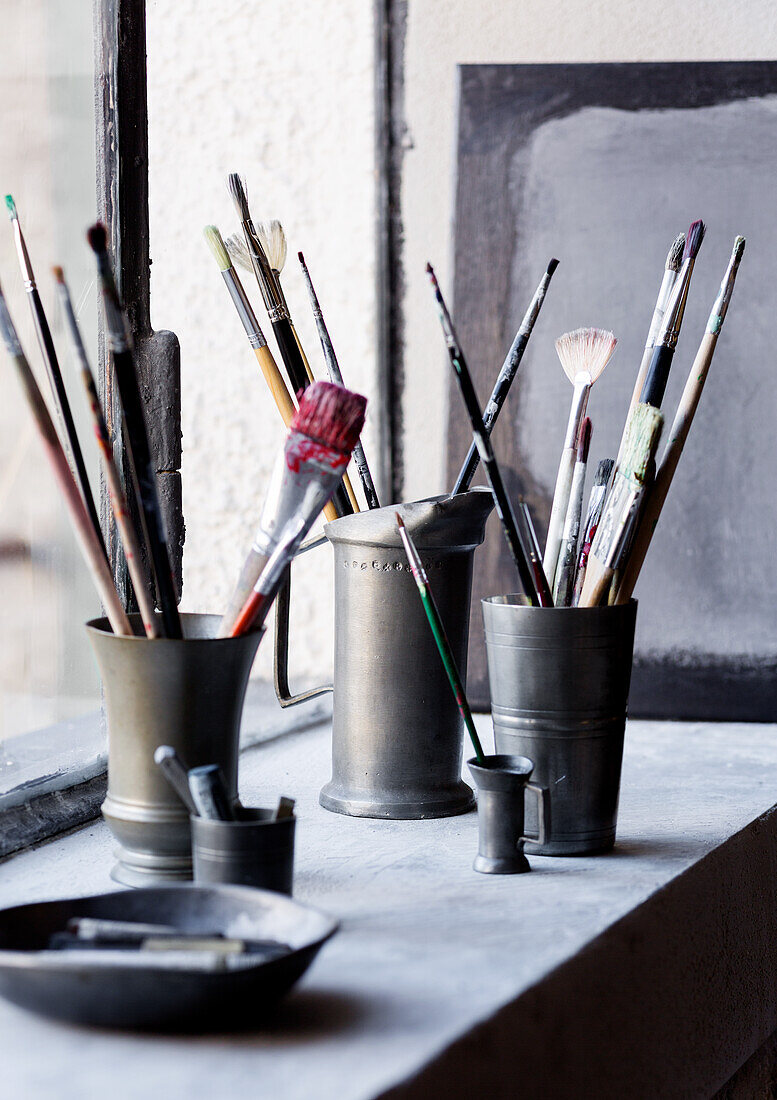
[(661, 361), (505, 379)]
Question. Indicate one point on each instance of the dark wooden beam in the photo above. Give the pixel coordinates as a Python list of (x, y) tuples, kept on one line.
[(122, 204)]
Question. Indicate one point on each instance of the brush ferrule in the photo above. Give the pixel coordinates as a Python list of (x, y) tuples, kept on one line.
[(277, 313), (577, 412), (720, 308), (244, 309), (264, 275), (304, 477), (668, 281), (673, 317), (24, 257)]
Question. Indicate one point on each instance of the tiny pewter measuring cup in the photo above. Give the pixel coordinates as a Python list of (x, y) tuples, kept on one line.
[(501, 781)]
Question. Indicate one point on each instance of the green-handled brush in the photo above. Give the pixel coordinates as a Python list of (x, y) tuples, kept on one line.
[(440, 637)]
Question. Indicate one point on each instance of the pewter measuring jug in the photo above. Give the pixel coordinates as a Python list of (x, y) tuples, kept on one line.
[(397, 735)]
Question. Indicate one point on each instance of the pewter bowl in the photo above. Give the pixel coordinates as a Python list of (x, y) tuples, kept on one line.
[(146, 997)]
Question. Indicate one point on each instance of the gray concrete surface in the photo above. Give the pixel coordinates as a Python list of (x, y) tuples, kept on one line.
[(649, 972)]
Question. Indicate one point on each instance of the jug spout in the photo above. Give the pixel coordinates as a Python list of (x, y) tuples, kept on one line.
[(435, 522)]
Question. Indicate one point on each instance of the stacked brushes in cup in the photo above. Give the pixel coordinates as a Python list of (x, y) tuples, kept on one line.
[(597, 559), (324, 422)]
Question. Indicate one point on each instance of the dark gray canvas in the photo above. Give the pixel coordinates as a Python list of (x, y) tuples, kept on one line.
[(601, 166)]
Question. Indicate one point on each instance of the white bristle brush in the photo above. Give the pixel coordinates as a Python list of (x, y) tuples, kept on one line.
[(584, 353)]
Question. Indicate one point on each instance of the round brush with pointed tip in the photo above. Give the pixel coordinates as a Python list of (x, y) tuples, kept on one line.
[(584, 353), (59, 393), (333, 367), (681, 425), (657, 375), (505, 379), (674, 259), (535, 586), (223, 256)]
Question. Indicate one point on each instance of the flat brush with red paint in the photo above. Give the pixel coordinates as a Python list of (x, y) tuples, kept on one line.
[(322, 434)]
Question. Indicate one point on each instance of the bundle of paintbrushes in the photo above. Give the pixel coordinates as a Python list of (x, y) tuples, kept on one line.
[(324, 422), (594, 557)]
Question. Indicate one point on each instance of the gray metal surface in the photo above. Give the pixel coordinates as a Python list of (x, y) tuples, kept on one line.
[(186, 693), (502, 782), (397, 736), (253, 851), (150, 998), (559, 682)]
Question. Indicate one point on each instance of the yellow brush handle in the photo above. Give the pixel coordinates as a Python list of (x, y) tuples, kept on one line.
[(277, 386)]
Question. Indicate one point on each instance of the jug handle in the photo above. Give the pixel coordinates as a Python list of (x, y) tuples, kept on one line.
[(543, 815), (281, 656)]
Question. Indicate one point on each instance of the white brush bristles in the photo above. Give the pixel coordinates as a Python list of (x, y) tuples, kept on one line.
[(239, 254), (273, 240), (585, 351)]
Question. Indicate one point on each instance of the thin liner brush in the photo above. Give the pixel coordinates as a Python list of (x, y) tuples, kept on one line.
[(138, 448), (570, 540), (222, 253), (681, 425), (666, 340), (335, 376), (674, 261), (583, 353), (593, 515), (537, 592), (440, 637), (84, 529), (275, 304), (61, 403), (505, 379), (119, 506)]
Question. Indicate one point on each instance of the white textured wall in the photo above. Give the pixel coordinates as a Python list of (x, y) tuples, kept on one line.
[(441, 35), (283, 94)]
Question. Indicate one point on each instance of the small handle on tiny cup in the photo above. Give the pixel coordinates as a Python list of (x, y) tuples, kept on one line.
[(543, 815)]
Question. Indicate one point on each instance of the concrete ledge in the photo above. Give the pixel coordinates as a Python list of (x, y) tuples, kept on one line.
[(648, 972)]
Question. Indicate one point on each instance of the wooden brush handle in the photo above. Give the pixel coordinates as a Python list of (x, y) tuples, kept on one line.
[(282, 398), (657, 494)]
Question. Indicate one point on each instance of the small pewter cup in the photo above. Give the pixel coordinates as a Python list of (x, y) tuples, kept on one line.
[(256, 850), (187, 693), (559, 680), (502, 782)]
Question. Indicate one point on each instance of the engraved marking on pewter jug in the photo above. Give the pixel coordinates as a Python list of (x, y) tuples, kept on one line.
[(390, 566)]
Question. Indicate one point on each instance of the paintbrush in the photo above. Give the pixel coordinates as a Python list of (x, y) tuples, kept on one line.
[(138, 449), (674, 260), (91, 549), (440, 637), (535, 586), (272, 376), (680, 427), (593, 515), (119, 506), (584, 353), (335, 376), (666, 341), (59, 393), (318, 447), (296, 365), (621, 510), (505, 379), (570, 539)]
